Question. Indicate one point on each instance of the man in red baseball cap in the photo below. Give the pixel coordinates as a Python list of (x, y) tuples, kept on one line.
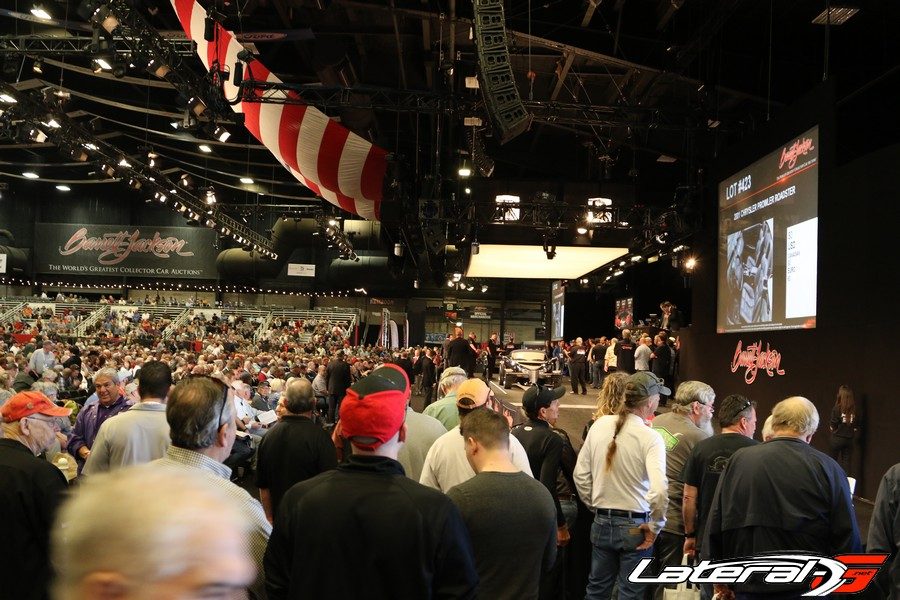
[(365, 508), (30, 491)]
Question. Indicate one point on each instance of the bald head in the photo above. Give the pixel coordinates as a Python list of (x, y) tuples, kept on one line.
[(298, 396), (795, 417)]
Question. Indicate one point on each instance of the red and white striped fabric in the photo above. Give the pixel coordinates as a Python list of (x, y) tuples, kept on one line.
[(326, 157)]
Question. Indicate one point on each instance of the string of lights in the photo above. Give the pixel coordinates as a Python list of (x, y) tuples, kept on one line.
[(40, 117), (181, 287)]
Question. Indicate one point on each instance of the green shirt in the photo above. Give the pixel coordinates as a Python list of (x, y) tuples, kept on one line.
[(444, 410)]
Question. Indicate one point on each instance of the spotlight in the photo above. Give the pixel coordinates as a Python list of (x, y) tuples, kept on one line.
[(101, 64), (38, 67), (690, 263), (247, 180), (106, 19), (457, 276), (398, 249), (450, 283), (135, 183), (30, 175), (205, 148), (158, 68), (581, 230), (464, 170), (108, 170), (63, 188), (415, 283), (475, 247), (197, 106), (221, 134), (210, 196), (37, 135), (484, 289), (40, 12)]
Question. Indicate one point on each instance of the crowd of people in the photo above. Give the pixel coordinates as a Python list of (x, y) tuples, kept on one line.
[(125, 465)]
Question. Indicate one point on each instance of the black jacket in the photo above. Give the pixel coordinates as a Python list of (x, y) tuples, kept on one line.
[(294, 450), (365, 530), (339, 379), (544, 449), (30, 492), (459, 354), (427, 370)]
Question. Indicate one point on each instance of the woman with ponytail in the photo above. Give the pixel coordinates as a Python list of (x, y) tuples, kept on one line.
[(621, 476)]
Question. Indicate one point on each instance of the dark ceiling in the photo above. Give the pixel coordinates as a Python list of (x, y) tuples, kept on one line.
[(613, 86)]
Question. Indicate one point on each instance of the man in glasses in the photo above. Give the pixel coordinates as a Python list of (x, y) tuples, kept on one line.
[(707, 461), (681, 430), (30, 491), (201, 416)]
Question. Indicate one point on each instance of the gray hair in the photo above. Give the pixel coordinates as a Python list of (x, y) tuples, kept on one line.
[(45, 386), (689, 392), (195, 412), (795, 414), (108, 373), (157, 542), (452, 377), (767, 431)]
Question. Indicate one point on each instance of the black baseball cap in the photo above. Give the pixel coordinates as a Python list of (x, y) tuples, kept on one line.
[(538, 396)]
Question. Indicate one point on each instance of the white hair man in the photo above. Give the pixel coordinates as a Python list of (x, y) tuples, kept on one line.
[(110, 402), (30, 491), (783, 495), (187, 543), (688, 423), (140, 434)]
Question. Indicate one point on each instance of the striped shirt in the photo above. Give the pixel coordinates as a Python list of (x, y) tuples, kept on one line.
[(219, 476)]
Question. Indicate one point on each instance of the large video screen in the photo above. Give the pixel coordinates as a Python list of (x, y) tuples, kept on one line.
[(558, 305), (768, 240)]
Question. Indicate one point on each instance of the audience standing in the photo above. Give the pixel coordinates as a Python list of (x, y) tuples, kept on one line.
[(445, 464), (364, 529), (202, 428), (140, 434), (110, 402), (884, 532), (783, 495), (681, 430), (294, 450), (188, 542), (506, 512), (621, 475), (707, 461), (30, 492), (444, 410)]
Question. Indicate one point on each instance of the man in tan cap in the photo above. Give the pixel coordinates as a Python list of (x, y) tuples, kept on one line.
[(30, 491), (446, 464)]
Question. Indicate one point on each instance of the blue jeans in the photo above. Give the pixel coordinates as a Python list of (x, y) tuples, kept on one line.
[(597, 373), (614, 555)]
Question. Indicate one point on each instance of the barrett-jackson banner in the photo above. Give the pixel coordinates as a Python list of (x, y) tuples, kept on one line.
[(139, 251)]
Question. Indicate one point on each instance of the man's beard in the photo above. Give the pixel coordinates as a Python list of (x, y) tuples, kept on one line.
[(706, 426)]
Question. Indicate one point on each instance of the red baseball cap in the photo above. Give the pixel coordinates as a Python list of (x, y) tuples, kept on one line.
[(374, 408), (25, 404)]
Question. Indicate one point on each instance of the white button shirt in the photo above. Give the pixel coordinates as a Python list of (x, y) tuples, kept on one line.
[(637, 480)]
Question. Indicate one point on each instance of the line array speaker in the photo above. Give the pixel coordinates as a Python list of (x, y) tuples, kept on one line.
[(497, 80)]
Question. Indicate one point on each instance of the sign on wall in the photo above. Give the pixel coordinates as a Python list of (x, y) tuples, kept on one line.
[(2, 263), (173, 252), (301, 270), (754, 358)]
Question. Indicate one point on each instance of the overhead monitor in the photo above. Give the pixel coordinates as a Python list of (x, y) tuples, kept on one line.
[(768, 240), (558, 305)]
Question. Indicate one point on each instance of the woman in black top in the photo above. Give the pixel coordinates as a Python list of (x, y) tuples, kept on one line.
[(846, 431)]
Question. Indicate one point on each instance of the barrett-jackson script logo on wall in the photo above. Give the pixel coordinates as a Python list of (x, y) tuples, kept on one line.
[(790, 154), (753, 358), (124, 250)]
